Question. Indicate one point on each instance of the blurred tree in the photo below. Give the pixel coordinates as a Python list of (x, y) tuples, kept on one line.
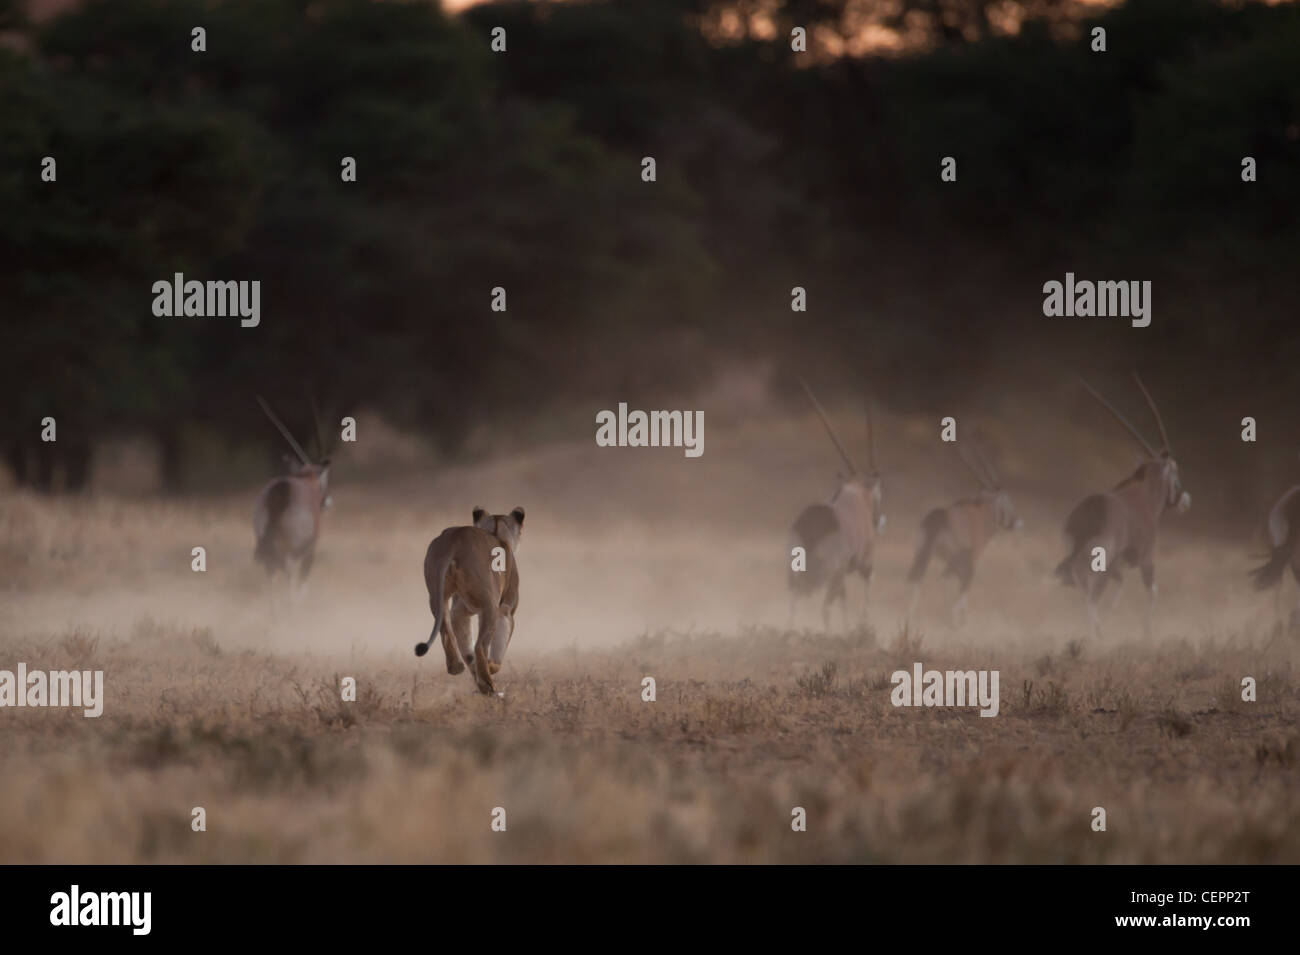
[(478, 170)]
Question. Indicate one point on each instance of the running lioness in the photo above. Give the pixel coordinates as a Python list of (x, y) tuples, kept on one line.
[(474, 567)]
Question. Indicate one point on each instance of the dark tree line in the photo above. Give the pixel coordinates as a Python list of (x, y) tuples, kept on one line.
[(522, 170)]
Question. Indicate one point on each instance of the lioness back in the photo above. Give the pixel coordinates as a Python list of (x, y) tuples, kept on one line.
[(469, 555)]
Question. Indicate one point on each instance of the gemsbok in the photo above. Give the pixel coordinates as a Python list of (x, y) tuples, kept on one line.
[(837, 537), (957, 534), (1284, 548), (286, 517), (1120, 525)]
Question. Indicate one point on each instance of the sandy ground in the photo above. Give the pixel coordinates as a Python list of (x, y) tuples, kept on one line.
[(638, 563)]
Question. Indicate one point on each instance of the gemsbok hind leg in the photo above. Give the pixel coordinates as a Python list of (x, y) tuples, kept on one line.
[(834, 590), (1293, 622), (1277, 604), (913, 598), (1092, 583), (286, 599), (958, 610), (272, 601), (868, 575), (1149, 579), (962, 566), (1119, 589), (304, 566), (296, 569)]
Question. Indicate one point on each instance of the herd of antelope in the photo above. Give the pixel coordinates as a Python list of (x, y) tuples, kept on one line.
[(470, 570), (1106, 531)]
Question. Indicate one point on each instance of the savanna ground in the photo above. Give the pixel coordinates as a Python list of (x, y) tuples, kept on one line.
[(635, 563)]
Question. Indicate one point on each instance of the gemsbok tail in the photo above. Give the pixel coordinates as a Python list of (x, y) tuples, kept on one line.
[(931, 527), (1083, 524), (1283, 525), (815, 526), (277, 502), (1269, 574)]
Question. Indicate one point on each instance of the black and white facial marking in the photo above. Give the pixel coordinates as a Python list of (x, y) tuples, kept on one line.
[(1004, 511), (877, 503), (1175, 496)]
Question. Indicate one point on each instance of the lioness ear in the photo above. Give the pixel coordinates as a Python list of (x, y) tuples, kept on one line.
[(478, 514), (518, 515)]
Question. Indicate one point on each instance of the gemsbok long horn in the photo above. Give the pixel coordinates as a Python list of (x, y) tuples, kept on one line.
[(970, 466), (285, 432), (315, 420), (1121, 419), (871, 437), (826, 422), (1164, 435), (994, 480)]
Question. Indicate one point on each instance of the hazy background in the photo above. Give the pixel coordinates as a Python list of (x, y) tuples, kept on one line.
[(522, 170)]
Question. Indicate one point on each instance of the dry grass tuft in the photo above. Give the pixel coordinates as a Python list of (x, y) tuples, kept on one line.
[(288, 771)]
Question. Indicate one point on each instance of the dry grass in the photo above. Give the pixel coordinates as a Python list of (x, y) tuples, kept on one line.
[(589, 772), (211, 702)]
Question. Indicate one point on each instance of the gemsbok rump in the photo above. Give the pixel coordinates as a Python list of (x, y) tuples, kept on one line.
[(1120, 525), (838, 537), (287, 515), (957, 534), (1284, 548)]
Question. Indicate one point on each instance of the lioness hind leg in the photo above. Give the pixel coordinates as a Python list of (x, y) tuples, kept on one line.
[(455, 637), (483, 674), (460, 625), (487, 627), (455, 664), (505, 629)]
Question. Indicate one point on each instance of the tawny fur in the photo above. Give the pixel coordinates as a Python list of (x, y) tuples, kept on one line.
[(1124, 522), (458, 571), (957, 535)]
